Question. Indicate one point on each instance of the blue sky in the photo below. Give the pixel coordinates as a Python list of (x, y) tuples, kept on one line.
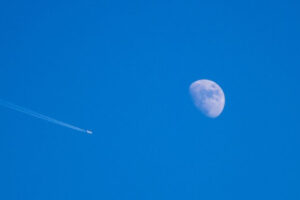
[(122, 69)]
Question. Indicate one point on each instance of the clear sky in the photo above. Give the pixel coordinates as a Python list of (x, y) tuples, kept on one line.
[(123, 69)]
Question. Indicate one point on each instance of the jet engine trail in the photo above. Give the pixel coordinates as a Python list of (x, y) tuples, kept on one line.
[(40, 116)]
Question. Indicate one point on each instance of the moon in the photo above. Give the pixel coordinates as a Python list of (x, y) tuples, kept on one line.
[(208, 97)]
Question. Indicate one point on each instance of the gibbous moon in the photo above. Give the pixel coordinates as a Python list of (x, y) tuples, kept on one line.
[(208, 97)]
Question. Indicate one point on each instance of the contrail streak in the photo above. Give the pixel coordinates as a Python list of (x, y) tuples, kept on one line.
[(40, 116)]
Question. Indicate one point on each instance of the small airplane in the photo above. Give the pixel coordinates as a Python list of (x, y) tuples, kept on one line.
[(89, 132)]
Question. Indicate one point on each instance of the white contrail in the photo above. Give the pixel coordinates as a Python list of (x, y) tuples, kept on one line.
[(40, 116)]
